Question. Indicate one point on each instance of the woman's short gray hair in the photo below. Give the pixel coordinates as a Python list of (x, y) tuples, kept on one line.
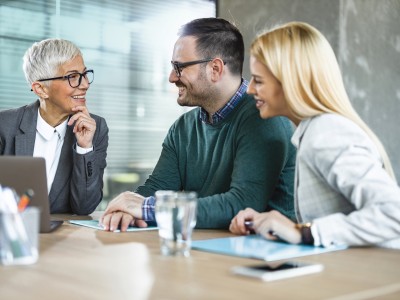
[(43, 58)]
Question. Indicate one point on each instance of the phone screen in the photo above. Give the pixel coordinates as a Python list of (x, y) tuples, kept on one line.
[(277, 267), (278, 270)]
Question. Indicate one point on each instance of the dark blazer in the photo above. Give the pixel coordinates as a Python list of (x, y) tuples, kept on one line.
[(78, 184)]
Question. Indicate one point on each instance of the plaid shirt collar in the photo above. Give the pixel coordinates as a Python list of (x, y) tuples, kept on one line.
[(228, 107)]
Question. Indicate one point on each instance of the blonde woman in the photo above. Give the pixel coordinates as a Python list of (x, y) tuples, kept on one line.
[(345, 189)]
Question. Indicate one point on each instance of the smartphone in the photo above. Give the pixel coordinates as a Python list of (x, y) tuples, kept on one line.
[(279, 270)]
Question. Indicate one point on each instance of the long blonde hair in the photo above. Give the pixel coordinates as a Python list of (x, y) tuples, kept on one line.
[(303, 61)]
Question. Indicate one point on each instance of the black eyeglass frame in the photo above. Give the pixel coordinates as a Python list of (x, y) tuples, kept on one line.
[(178, 67), (81, 75)]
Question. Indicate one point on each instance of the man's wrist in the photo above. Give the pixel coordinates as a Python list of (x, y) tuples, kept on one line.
[(148, 209)]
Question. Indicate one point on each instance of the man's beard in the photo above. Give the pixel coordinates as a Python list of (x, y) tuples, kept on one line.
[(197, 94)]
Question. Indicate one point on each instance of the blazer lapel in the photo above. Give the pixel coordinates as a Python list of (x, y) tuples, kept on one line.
[(64, 168), (25, 142)]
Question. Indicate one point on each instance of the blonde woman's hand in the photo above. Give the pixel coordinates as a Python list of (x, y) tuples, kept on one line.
[(238, 226), (273, 225)]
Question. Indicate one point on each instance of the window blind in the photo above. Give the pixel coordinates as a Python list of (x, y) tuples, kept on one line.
[(129, 45)]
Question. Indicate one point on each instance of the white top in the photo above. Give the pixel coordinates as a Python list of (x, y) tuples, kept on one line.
[(341, 186), (48, 144)]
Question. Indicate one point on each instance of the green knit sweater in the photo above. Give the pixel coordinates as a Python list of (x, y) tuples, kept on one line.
[(242, 161)]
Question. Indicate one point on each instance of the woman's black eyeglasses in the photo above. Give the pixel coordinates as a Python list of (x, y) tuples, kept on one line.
[(75, 79)]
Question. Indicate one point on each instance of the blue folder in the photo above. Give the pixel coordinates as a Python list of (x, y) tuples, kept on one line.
[(255, 246)]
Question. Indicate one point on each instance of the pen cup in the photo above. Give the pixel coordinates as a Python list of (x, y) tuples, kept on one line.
[(19, 233), (176, 218)]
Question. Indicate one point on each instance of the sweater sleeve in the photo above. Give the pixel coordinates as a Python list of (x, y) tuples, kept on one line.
[(166, 175)]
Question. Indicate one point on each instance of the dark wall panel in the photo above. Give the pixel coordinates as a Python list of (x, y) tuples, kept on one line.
[(365, 35)]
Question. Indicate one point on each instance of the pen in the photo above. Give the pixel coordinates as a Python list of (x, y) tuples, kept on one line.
[(249, 225), (24, 200)]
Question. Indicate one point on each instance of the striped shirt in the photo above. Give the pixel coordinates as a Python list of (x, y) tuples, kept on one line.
[(228, 107)]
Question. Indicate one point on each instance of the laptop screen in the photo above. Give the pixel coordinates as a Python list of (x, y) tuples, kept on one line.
[(26, 172)]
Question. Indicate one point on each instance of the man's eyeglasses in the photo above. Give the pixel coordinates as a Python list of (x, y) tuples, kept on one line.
[(75, 79), (178, 67)]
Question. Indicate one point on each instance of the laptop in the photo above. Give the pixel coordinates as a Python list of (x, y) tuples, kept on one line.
[(26, 172)]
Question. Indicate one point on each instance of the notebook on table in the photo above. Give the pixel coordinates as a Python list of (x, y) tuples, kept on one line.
[(26, 172), (255, 246), (96, 225)]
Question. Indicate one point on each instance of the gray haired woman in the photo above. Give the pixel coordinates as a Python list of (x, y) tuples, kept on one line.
[(59, 127)]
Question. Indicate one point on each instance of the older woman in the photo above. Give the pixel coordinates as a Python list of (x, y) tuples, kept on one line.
[(345, 189), (59, 127)]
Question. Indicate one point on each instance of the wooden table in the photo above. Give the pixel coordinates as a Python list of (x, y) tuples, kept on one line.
[(82, 263)]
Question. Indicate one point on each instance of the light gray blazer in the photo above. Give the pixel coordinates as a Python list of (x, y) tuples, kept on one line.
[(341, 185), (78, 184)]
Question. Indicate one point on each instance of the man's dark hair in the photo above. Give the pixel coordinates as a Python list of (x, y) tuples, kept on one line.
[(216, 37)]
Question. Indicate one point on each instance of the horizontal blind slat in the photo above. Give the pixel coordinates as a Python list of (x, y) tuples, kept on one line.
[(129, 45)]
